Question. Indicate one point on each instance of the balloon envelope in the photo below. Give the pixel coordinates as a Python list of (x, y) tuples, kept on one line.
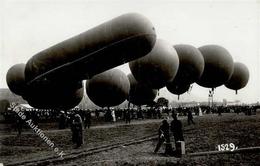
[(158, 67), (44, 94), (54, 96), (103, 47), (56, 100), (218, 66), (140, 94), (191, 64), (177, 89), (109, 88), (239, 78), (15, 79)]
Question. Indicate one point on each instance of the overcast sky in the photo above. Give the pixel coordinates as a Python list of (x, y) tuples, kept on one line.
[(29, 26)]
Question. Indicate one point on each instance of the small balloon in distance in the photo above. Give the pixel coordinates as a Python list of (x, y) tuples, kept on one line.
[(239, 78)]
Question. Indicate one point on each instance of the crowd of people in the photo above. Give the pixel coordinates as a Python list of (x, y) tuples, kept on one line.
[(79, 119), (125, 114)]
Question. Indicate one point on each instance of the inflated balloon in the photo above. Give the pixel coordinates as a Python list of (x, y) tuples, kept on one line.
[(218, 66), (190, 69), (52, 95), (158, 67), (15, 79), (109, 88), (139, 93), (239, 78), (178, 89), (108, 45), (44, 94), (191, 64), (55, 100)]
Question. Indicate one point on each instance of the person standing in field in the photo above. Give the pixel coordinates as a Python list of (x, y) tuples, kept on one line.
[(176, 129), (190, 117), (77, 130), (87, 119), (164, 136)]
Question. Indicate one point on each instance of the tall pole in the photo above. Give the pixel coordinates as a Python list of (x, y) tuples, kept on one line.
[(210, 100)]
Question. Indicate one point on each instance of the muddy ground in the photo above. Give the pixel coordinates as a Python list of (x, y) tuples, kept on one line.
[(208, 132)]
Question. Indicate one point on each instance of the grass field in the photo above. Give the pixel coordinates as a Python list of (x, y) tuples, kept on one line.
[(208, 132)]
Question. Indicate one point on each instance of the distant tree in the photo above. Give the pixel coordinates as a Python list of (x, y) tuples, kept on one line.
[(162, 102), (4, 104)]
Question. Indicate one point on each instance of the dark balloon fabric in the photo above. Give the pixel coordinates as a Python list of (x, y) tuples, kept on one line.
[(140, 94), (177, 89), (15, 79), (191, 64), (239, 78), (218, 66), (52, 78), (109, 88), (190, 68), (55, 98), (158, 67), (103, 47)]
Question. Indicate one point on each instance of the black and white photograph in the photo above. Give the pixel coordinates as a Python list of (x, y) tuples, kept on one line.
[(130, 82)]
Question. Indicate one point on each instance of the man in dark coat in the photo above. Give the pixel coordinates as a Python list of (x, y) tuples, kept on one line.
[(127, 116), (164, 136), (190, 117), (19, 124), (87, 119), (62, 120), (176, 129), (77, 130)]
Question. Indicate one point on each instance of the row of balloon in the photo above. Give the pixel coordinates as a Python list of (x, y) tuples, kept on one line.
[(176, 67), (53, 77)]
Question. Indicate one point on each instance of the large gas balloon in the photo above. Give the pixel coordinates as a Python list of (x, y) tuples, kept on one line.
[(108, 45), (218, 66), (178, 89), (191, 64), (139, 93), (56, 99), (109, 88), (190, 69), (239, 78), (49, 79), (54, 95), (44, 94), (158, 67), (15, 79)]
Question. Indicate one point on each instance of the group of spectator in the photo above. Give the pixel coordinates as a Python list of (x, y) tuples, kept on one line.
[(65, 118)]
